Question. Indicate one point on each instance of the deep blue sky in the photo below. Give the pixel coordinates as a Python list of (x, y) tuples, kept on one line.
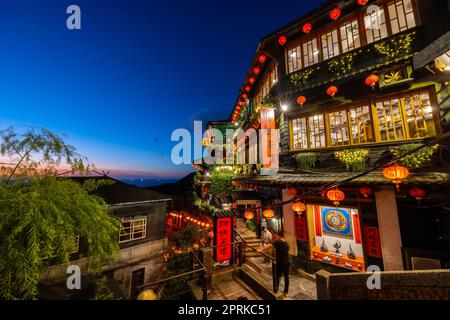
[(136, 70)]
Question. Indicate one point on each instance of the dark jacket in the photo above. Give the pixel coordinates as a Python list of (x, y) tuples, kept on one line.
[(282, 252)]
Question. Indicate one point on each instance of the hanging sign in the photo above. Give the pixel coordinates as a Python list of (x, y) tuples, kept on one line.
[(372, 242), (223, 238)]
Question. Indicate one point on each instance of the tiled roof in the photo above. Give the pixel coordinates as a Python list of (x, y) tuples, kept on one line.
[(327, 177)]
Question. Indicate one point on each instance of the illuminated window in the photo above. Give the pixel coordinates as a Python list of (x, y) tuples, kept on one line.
[(294, 57), (299, 134), (375, 24), (316, 129), (419, 115), (401, 13), (390, 120), (338, 128), (350, 36), (330, 44), (267, 83), (361, 124), (310, 53), (133, 229)]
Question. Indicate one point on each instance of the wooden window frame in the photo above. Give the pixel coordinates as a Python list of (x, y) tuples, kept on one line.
[(131, 236)]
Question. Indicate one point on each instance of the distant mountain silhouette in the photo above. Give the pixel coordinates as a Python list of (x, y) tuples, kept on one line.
[(182, 187)]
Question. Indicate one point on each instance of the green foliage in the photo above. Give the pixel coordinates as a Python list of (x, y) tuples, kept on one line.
[(343, 64), (398, 47), (250, 225), (219, 182), (298, 79), (185, 238), (306, 160), (40, 215), (102, 290), (353, 159), (201, 204), (197, 178), (417, 159)]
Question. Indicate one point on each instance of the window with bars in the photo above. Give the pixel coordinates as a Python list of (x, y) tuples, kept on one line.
[(294, 57), (338, 128), (133, 229), (390, 120), (310, 53), (317, 134), (360, 124), (299, 134), (350, 36), (375, 25), (330, 44), (401, 14)]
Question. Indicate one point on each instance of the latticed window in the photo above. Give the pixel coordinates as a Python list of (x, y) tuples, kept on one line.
[(133, 229), (310, 53), (299, 134), (401, 14), (419, 115), (330, 44), (350, 36), (375, 24), (339, 128), (361, 125), (317, 135), (294, 57), (390, 120)]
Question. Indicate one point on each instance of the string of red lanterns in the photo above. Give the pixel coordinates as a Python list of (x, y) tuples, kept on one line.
[(396, 174), (301, 100), (249, 215), (268, 213), (362, 3), (298, 207), (282, 40), (372, 80), (332, 90), (336, 196), (307, 27), (366, 191), (335, 14)]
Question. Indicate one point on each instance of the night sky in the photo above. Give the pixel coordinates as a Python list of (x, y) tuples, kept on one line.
[(136, 70)]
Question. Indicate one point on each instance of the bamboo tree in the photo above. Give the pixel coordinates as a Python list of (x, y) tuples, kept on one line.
[(41, 214)]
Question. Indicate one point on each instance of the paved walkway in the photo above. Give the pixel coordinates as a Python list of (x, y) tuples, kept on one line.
[(232, 289)]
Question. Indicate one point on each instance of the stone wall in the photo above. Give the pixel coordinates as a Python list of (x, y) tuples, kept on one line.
[(396, 285)]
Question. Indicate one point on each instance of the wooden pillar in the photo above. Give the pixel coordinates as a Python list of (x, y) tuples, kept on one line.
[(391, 241), (289, 223)]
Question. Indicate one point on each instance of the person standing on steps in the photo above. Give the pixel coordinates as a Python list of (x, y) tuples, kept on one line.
[(266, 241), (283, 262)]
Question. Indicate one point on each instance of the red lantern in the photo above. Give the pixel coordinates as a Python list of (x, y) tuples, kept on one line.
[(307, 27), (268, 213), (335, 14), (362, 2), (366, 191), (282, 40), (298, 207), (336, 196), (244, 96), (249, 215), (417, 193), (372, 80), (331, 91), (248, 88), (262, 58), (292, 191), (396, 173), (301, 100), (251, 80), (256, 70)]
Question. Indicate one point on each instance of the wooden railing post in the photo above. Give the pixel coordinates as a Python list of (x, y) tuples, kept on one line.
[(274, 276)]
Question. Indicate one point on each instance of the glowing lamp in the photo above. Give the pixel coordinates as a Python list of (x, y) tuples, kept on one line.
[(292, 191), (256, 70), (298, 207), (248, 88), (282, 40), (362, 2), (372, 80), (195, 246), (331, 91), (262, 58), (248, 215), (268, 213), (244, 96), (336, 196), (307, 27), (366, 191), (335, 14), (417, 193), (301, 100), (251, 80), (148, 294), (396, 174)]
